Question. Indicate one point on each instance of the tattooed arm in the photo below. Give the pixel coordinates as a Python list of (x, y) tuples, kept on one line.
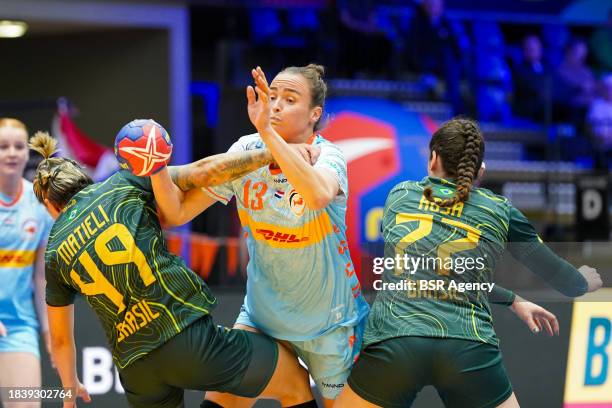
[(178, 191), (219, 169)]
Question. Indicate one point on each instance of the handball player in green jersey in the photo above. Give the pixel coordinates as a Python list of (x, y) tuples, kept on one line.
[(445, 337), (107, 244)]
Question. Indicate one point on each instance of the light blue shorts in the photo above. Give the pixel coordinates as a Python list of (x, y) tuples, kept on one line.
[(329, 357), (20, 339)]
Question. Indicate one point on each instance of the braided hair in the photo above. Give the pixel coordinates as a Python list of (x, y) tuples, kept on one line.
[(314, 74), (57, 178), (460, 145)]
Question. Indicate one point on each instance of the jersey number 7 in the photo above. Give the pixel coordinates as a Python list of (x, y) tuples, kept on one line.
[(425, 225)]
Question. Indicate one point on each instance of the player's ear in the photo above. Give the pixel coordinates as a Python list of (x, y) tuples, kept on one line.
[(433, 161), (315, 113), (481, 171)]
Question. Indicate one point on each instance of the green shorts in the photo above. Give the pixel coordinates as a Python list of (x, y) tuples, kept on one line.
[(202, 357), (465, 373)]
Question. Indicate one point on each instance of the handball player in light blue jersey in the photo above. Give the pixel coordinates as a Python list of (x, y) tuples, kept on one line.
[(302, 287), (24, 226)]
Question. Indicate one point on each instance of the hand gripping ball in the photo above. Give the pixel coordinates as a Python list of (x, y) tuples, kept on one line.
[(143, 147)]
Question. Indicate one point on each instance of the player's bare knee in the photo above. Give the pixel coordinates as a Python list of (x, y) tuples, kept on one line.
[(292, 386), (511, 402)]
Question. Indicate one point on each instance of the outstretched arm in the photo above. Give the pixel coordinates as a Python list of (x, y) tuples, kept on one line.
[(178, 189), (555, 270), (219, 169), (527, 247)]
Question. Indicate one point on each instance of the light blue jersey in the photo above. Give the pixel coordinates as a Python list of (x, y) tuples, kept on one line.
[(301, 281), (24, 227)]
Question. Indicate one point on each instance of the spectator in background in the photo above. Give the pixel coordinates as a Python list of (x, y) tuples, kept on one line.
[(434, 46), (574, 83), (532, 81), (599, 117), (555, 37), (601, 44), (364, 47)]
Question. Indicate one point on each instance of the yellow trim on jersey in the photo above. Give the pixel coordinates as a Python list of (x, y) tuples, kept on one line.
[(278, 236), (16, 258), (500, 219), (447, 182), (490, 197)]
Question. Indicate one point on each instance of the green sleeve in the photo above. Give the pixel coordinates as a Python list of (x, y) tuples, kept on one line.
[(57, 292), (143, 183), (520, 229), (527, 247), (501, 296)]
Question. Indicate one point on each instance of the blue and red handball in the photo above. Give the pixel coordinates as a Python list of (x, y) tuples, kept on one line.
[(143, 147)]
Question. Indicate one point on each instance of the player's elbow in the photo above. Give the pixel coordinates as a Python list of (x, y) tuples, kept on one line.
[(182, 216), (172, 215), (170, 219), (320, 200), (175, 221), (170, 223), (318, 204), (60, 341)]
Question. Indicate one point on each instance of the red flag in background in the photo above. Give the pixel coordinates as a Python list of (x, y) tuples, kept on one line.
[(74, 143)]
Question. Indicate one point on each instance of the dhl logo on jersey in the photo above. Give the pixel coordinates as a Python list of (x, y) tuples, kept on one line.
[(16, 259), (278, 236), (588, 382)]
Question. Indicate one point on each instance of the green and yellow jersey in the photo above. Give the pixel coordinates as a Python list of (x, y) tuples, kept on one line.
[(107, 244), (449, 249)]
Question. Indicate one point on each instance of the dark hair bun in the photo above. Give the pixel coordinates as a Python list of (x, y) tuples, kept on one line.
[(319, 69)]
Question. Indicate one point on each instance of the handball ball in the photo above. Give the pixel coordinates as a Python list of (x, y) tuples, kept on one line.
[(143, 147)]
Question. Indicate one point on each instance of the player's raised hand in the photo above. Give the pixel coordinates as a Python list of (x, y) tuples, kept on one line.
[(535, 317), (258, 100), (3, 331), (592, 277), (314, 153)]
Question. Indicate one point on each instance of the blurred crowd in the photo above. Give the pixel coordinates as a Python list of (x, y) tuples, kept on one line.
[(544, 74)]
